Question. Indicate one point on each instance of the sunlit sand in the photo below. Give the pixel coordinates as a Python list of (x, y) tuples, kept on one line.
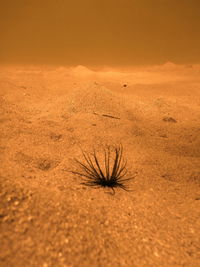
[(48, 114)]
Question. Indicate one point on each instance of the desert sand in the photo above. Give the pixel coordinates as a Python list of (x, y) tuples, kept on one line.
[(48, 114)]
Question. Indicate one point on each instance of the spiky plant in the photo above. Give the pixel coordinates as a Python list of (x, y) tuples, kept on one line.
[(111, 174)]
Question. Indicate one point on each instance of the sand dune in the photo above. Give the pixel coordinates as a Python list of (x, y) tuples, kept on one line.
[(48, 218)]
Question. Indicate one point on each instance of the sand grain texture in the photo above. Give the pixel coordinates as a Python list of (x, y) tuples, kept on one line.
[(47, 218)]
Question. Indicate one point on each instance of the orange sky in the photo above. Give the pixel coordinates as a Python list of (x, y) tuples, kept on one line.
[(108, 32)]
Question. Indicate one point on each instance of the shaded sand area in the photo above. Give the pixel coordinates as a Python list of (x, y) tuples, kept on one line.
[(47, 218)]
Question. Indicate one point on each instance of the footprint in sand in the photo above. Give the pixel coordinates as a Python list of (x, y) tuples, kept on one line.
[(43, 164), (46, 164), (55, 137)]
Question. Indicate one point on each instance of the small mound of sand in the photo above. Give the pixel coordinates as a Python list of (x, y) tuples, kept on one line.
[(81, 72), (94, 98)]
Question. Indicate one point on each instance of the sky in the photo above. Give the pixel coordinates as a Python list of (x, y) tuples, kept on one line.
[(100, 32)]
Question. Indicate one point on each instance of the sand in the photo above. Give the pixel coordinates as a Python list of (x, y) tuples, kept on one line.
[(48, 114)]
